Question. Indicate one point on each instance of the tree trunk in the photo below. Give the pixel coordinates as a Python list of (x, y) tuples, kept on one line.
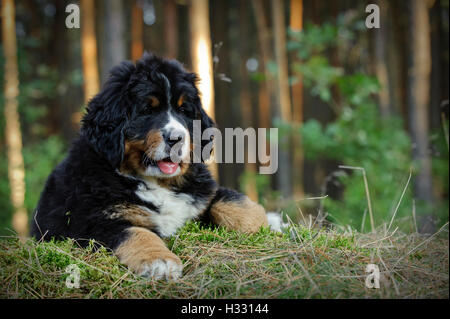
[(281, 59), (221, 30), (436, 96), (418, 101), (13, 135), (266, 95), (113, 43), (380, 60), (244, 98), (285, 109), (89, 50), (395, 60), (201, 53), (64, 55), (171, 28), (265, 92), (296, 24), (137, 31)]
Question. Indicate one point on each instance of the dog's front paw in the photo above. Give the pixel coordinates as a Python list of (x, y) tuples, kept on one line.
[(242, 215), (146, 254), (162, 268)]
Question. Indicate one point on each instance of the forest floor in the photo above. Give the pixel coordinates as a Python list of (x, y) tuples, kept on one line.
[(303, 262)]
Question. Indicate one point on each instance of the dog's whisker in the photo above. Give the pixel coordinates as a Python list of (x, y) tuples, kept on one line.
[(145, 159)]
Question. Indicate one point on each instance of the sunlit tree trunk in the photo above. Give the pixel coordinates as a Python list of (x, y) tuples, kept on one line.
[(89, 49), (13, 136), (171, 28), (244, 98), (381, 60), (418, 102), (285, 109), (281, 58), (296, 24), (137, 31), (201, 53)]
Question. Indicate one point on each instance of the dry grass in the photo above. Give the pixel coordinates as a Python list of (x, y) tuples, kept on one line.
[(302, 263)]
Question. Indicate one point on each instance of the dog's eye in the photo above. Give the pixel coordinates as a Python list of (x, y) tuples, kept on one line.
[(183, 107), (153, 101), (181, 100)]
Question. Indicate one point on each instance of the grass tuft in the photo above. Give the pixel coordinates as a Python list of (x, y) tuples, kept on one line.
[(301, 263)]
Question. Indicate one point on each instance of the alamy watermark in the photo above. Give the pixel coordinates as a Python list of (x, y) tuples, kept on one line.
[(261, 147), (373, 279), (373, 19), (73, 18), (73, 280)]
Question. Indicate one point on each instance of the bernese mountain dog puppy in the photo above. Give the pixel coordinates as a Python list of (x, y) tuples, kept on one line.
[(118, 184)]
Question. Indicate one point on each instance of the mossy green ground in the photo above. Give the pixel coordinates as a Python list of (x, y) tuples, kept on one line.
[(301, 263)]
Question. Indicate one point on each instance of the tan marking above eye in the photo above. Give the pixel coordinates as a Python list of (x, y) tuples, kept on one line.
[(154, 102), (181, 100)]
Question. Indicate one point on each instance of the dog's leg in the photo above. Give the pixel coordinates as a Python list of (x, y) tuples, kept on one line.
[(147, 255), (236, 211)]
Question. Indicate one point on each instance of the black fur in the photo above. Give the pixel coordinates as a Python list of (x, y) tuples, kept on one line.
[(87, 182)]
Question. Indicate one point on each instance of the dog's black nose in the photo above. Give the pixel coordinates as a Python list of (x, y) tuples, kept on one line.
[(173, 138)]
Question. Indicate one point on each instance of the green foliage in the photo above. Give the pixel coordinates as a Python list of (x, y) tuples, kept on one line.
[(40, 159), (440, 169), (359, 136), (38, 85), (5, 203), (316, 39), (262, 183)]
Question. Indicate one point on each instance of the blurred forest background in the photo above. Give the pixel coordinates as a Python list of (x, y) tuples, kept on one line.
[(340, 94)]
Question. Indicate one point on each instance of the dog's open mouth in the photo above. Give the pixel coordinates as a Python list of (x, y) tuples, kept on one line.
[(167, 166)]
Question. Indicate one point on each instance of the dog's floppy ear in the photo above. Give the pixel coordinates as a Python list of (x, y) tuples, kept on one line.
[(206, 122), (200, 114), (106, 116)]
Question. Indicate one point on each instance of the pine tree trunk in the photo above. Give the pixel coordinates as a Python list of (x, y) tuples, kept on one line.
[(13, 135), (89, 50), (137, 31), (201, 53), (381, 60), (283, 176), (265, 98), (245, 98), (395, 52), (113, 43), (171, 27), (418, 102), (296, 24)]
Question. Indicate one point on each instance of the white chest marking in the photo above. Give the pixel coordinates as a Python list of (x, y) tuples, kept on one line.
[(174, 209)]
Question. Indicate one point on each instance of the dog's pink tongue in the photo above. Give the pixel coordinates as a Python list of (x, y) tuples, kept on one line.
[(167, 167)]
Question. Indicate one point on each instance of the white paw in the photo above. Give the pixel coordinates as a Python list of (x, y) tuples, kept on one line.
[(276, 222), (163, 268)]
